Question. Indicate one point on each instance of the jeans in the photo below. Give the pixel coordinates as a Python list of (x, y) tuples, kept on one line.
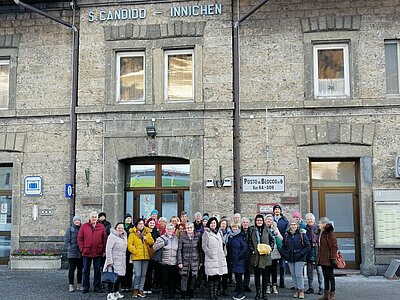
[(140, 267), (75, 263), (168, 280), (310, 275), (329, 278), (282, 266), (114, 287), (272, 270), (87, 262), (296, 269)]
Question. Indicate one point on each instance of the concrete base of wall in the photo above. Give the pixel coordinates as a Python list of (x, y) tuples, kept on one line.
[(35, 262)]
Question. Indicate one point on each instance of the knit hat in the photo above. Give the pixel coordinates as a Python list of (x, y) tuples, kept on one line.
[(76, 218), (127, 216), (154, 211), (205, 218), (102, 214), (277, 206), (296, 214)]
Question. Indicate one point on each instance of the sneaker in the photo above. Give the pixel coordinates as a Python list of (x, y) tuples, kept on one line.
[(268, 289), (141, 294), (79, 287), (118, 295), (111, 296), (239, 296), (71, 288), (310, 291), (274, 289), (147, 292)]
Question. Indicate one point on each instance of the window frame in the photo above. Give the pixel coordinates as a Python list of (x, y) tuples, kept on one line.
[(346, 65), (119, 55), (170, 52), (397, 43), (7, 61)]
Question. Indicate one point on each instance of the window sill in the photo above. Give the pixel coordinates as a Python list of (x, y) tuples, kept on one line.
[(332, 102)]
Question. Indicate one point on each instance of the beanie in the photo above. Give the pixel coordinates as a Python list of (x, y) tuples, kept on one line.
[(277, 206), (76, 218), (154, 211), (102, 214), (296, 214)]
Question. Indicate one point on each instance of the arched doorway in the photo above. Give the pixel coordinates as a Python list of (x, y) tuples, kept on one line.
[(161, 183)]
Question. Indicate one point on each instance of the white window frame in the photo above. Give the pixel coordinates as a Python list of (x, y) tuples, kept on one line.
[(346, 63), (397, 43), (6, 62), (118, 70), (167, 53)]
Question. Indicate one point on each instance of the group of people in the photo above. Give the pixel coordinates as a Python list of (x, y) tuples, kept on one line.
[(180, 255)]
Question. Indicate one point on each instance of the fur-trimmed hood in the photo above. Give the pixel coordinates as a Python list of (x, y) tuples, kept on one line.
[(328, 229)]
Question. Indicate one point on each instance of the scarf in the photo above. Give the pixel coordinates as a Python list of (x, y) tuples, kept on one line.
[(233, 234), (259, 231), (140, 233), (313, 236), (214, 230)]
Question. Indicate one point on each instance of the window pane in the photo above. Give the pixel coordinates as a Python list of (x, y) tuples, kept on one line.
[(315, 199), (339, 209), (331, 80), (6, 178), (180, 76), (169, 205), (142, 176), (175, 175), (5, 246), (147, 204), (186, 203), (348, 248), (392, 73), (5, 213), (333, 174), (131, 78), (129, 203), (4, 83)]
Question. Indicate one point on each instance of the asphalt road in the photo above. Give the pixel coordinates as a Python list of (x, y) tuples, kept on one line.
[(26, 285)]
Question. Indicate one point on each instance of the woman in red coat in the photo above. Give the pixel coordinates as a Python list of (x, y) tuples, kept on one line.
[(327, 250)]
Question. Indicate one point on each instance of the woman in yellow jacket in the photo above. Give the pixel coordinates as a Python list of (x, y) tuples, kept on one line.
[(139, 243)]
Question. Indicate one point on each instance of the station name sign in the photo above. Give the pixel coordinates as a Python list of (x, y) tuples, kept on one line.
[(142, 12), (263, 183)]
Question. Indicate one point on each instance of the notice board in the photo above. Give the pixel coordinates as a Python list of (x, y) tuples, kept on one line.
[(387, 212)]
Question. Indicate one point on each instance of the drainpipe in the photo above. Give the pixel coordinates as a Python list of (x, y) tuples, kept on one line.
[(74, 95), (236, 100)]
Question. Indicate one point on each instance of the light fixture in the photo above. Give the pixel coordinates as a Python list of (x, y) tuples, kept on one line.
[(151, 129)]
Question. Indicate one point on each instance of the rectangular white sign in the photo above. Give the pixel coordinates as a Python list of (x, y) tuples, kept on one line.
[(263, 183)]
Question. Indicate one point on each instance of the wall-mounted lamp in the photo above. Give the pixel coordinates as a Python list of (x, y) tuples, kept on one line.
[(151, 129), (87, 176)]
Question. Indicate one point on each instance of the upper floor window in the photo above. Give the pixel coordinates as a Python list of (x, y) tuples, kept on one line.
[(179, 75), (331, 70), (392, 67), (130, 77), (4, 82)]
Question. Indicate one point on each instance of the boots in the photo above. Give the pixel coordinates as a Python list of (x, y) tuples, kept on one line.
[(325, 296), (216, 290), (135, 293), (332, 296), (296, 294), (257, 294), (301, 294), (183, 295), (210, 290), (264, 292)]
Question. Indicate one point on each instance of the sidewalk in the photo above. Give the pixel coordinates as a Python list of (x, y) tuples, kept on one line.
[(26, 285)]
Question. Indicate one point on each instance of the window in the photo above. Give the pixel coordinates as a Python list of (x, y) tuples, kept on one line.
[(130, 77), (392, 67), (4, 83), (331, 70), (179, 75)]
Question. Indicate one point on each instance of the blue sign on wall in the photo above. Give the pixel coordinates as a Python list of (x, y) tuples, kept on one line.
[(68, 190)]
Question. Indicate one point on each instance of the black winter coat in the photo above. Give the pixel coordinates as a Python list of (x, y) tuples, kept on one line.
[(295, 246), (189, 254)]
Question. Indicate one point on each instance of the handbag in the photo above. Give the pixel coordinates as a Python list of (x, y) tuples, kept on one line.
[(158, 254), (340, 262), (109, 277)]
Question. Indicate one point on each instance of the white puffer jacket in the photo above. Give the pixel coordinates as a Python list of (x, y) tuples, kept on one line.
[(115, 252), (215, 261)]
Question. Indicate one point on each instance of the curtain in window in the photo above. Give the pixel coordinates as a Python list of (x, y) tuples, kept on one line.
[(392, 73), (180, 77), (331, 81), (131, 78), (4, 83)]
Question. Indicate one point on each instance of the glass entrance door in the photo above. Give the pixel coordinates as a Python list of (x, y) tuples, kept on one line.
[(5, 213), (335, 195)]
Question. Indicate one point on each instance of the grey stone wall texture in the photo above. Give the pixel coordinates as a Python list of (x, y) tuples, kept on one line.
[(275, 73)]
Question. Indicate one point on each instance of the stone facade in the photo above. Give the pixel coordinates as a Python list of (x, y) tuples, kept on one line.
[(275, 73)]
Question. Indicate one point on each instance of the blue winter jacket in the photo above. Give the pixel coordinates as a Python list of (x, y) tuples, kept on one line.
[(70, 240), (237, 253), (295, 247), (283, 224)]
